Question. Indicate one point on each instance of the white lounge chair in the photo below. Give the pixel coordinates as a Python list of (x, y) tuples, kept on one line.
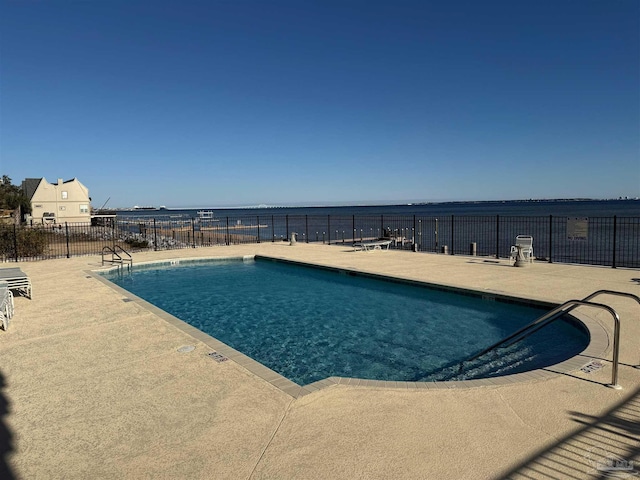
[(372, 245), (17, 280), (524, 243), (6, 304)]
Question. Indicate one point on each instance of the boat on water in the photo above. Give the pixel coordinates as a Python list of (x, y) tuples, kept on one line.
[(206, 215), (161, 207)]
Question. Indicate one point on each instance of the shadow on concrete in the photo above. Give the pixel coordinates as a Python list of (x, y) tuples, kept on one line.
[(6, 444), (603, 447)]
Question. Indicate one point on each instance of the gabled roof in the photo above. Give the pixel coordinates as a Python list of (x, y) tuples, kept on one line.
[(30, 185)]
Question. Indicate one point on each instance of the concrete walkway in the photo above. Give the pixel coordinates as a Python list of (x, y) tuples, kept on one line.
[(94, 387)]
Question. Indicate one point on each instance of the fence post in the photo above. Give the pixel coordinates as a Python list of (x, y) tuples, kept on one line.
[(66, 230), (615, 227), (193, 231), (414, 230), (228, 238), (286, 221), (306, 227), (15, 241), (497, 236), (437, 236), (155, 236), (353, 225), (258, 228), (550, 238), (273, 231), (453, 243), (328, 230)]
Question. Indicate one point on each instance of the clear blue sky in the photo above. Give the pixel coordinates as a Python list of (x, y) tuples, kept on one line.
[(237, 102)]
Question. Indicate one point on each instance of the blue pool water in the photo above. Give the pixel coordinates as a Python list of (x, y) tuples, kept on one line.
[(308, 324)]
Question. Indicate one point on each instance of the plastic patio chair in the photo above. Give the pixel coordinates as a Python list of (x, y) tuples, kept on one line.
[(525, 244)]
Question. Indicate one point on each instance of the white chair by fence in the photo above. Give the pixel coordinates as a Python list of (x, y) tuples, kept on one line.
[(524, 247)]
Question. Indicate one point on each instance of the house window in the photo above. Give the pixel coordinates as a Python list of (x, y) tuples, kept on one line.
[(65, 195), (84, 208), (63, 208)]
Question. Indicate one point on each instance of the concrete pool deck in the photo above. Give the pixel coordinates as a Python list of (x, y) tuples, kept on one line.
[(93, 386)]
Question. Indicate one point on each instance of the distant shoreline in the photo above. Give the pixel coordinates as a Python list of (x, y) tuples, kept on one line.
[(394, 204)]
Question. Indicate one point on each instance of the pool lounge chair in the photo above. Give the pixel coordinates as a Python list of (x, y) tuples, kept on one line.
[(17, 280), (524, 243), (372, 245), (6, 304)]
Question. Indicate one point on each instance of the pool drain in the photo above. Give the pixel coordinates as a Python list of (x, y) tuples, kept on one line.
[(186, 349)]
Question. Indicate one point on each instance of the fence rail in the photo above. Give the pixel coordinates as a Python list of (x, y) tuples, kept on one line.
[(607, 241)]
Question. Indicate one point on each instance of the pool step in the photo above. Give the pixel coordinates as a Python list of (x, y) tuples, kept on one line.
[(488, 365)]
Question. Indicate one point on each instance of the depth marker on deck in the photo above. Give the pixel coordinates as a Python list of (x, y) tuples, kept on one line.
[(592, 366), (218, 357)]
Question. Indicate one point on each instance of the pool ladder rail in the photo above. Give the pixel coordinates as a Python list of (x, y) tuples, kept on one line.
[(119, 256), (557, 313)]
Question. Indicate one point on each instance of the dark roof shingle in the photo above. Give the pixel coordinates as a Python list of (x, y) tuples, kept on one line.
[(29, 186)]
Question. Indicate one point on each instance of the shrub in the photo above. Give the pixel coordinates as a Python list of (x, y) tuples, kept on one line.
[(31, 242), (135, 243)]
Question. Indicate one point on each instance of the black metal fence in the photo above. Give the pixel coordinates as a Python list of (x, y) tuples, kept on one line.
[(608, 241)]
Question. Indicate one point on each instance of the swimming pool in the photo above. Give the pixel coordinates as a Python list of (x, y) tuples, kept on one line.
[(309, 323)]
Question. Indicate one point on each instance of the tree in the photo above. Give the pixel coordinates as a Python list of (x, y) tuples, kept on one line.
[(13, 198)]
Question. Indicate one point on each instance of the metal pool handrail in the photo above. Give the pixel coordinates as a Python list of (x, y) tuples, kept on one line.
[(532, 327), (116, 258), (556, 313)]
